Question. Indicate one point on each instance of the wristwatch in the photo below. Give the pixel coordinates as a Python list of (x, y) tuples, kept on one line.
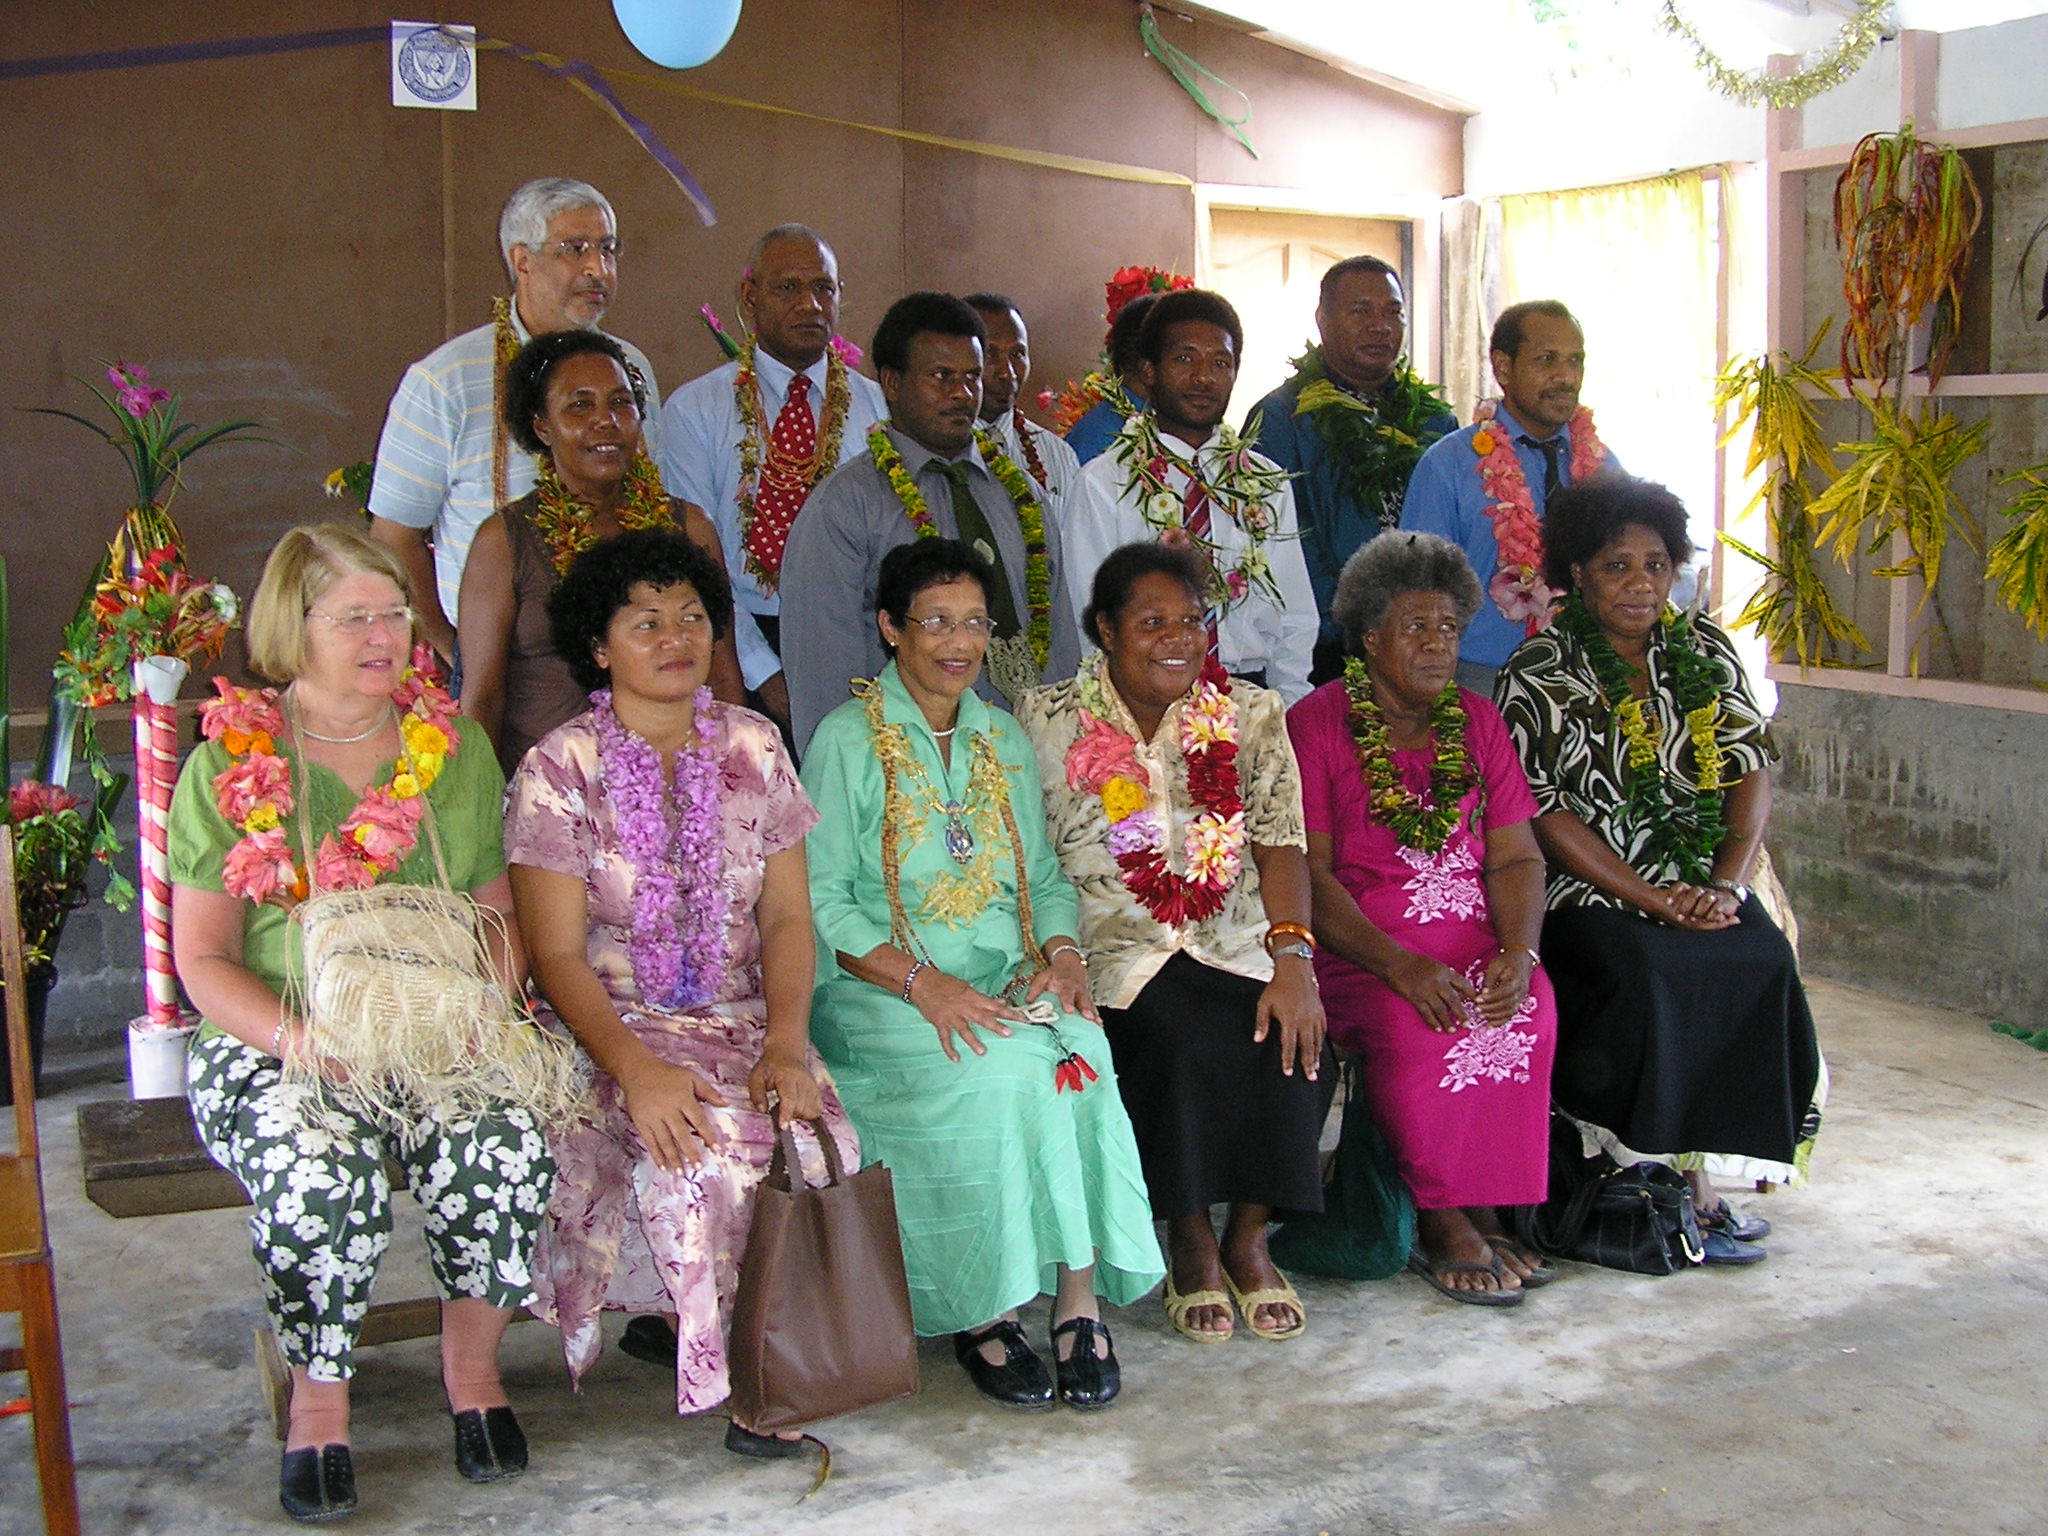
[(1297, 948), (1734, 888)]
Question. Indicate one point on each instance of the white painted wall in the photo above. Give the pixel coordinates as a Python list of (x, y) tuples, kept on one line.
[(1663, 116)]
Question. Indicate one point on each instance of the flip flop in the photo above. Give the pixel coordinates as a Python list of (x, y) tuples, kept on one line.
[(1249, 1302), (1178, 1307), (1541, 1270), (1419, 1263)]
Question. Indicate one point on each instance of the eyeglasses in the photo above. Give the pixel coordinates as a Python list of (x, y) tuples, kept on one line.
[(576, 250), (942, 627), (359, 621)]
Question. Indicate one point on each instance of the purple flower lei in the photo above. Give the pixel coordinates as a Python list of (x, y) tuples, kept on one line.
[(677, 946)]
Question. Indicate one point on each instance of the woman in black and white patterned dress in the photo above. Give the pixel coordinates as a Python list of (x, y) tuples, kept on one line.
[(1683, 1030)]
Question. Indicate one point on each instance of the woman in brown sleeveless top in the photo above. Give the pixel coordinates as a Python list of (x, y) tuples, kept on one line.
[(571, 400)]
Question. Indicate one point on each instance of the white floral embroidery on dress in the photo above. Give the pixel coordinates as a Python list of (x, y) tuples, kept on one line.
[(1498, 1053), (1446, 884)]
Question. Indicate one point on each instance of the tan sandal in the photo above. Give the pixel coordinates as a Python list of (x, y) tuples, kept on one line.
[(1283, 1294), (1178, 1307)]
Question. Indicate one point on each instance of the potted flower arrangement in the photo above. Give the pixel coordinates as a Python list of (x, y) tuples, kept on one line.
[(144, 620), (52, 850)]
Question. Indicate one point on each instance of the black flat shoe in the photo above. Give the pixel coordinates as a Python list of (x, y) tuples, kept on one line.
[(489, 1445), (650, 1338), (1019, 1382), (1085, 1381), (744, 1442), (317, 1485)]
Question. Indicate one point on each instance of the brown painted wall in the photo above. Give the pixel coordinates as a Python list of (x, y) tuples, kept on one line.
[(267, 232)]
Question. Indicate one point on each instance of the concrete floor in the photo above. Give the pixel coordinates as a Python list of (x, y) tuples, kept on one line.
[(1885, 1371)]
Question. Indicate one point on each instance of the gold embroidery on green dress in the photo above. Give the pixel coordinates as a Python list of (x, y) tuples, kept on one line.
[(977, 832)]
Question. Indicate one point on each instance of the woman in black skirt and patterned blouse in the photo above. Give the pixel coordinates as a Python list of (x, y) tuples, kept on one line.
[(1683, 1031), (1174, 804)]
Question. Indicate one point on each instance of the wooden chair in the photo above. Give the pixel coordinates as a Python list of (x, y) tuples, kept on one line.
[(27, 1273)]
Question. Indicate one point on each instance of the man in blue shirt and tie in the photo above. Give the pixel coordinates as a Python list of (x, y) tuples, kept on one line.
[(1486, 485)]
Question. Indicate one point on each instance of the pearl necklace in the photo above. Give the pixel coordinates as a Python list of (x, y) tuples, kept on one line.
[(304, 729)]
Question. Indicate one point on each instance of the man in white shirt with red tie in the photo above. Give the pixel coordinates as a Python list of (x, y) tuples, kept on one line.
[(1178, 473), (749, 440)]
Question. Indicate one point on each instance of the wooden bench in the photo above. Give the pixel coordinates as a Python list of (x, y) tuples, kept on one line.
[(142, 1157)]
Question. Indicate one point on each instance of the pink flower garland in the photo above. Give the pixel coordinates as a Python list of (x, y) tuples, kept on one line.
[(1518, 588), (677, 945), (254, 792)]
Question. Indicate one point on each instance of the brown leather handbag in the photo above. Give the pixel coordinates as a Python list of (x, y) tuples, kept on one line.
[(821, 1317)]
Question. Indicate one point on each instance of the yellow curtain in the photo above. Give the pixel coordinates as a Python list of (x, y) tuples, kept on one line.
[(1636, 263)]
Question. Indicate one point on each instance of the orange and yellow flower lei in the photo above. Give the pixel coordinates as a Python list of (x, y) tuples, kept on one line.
[(565, 521)]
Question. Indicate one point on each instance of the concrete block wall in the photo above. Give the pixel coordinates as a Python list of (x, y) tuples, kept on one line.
[(1913, 839)]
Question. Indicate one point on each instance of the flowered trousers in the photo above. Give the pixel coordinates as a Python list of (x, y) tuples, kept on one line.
[(320, 1204)]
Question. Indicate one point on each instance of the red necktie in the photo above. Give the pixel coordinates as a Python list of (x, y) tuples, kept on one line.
[(1194, 517), (785, 481)]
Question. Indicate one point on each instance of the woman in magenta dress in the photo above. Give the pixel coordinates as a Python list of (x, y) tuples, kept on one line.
[(1428, 905)]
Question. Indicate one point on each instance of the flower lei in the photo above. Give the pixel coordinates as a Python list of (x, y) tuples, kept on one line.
[(564, 520), (677, 938), (1241, 486), (254, 792), (799, 474), (1376, 439), (1422, 823), (1685, 821), (1518, 588), (504, 347), (1103, 760), (1030, 521), (952, 898), (903, 823)]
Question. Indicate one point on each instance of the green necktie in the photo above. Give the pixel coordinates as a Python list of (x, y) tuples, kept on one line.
[(974, 530)]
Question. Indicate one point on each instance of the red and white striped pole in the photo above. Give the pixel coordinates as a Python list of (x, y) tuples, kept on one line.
[(157, 679)]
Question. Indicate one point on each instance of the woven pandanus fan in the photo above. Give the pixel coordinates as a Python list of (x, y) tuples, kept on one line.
[(397, 989)]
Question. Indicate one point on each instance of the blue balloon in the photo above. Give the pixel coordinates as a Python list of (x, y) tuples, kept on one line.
[(678, 34)]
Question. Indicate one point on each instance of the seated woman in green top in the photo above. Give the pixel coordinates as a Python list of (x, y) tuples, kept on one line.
[(953, 1005), (350, 745)]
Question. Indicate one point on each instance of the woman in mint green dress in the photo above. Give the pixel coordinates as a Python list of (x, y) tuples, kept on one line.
[(953, 1005)]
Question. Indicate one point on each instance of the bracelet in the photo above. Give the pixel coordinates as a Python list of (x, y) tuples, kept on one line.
[(1523, 949), (277, 1041), (1298, 930), (1059, 949), (910, 975)]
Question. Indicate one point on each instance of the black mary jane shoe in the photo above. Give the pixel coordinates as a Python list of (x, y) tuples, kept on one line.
[(490, 1447), (315, 1485), (744, 1442), (1086, 1382), (1019, 1382), (648, 1337)]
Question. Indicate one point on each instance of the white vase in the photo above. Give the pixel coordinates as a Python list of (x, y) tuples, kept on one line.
[(156, 1060), (160, 677)]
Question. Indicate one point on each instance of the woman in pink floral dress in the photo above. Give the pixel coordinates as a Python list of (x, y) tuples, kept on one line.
[(1429, 903), (657, 852)]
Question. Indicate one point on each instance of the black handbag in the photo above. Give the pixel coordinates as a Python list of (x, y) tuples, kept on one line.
[(1638, 1218)]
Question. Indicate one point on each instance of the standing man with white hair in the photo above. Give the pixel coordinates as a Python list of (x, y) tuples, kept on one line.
[(445, 461)]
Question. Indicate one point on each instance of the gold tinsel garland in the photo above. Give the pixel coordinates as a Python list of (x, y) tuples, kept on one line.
[(1753, 87)]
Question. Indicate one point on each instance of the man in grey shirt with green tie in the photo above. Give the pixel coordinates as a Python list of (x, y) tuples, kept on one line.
[(923, 463)]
